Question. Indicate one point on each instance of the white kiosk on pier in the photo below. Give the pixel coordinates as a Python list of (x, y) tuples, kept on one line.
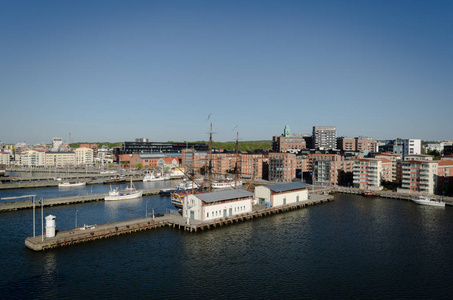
[(50, 226)]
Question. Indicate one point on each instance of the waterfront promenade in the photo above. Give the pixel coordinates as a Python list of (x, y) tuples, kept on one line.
[(386, 194)]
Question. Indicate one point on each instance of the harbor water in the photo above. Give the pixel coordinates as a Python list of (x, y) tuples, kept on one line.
[(353, 247)]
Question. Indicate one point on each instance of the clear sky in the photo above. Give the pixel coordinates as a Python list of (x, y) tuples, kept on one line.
[(117, 70)]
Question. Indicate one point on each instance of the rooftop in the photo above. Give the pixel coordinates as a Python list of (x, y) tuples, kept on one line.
[(224, 195), (287, 186)]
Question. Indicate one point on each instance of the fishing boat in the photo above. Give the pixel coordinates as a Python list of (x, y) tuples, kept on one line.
[(151, 177), (226, 184), (128, 193), (71, 184), (424, 200)]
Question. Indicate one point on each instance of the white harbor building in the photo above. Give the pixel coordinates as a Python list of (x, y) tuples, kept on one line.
[(217, 205), (281, 194)]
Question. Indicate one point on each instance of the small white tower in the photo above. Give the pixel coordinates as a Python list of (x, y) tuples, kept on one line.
[(50, 226)]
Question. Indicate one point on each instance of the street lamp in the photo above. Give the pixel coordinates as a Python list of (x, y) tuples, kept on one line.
[(76, 218)]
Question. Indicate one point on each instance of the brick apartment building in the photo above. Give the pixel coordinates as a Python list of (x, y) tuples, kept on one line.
[(282, 167)]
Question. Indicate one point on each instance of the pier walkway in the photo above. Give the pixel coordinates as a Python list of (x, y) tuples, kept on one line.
[(388, 194), (10, 206), (41, 182), (97, 232)]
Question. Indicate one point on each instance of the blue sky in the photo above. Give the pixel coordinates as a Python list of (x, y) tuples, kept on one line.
[(117, 70)]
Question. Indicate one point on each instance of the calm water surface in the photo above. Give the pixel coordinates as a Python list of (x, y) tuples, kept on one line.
[(353, 247)]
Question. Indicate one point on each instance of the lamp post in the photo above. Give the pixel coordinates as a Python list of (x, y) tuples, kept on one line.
[(146, 209), (76, 218)]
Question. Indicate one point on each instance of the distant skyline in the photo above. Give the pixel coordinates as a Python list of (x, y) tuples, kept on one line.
[(113, 71)]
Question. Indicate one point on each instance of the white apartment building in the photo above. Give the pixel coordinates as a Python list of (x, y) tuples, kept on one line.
[(4, 158), (56, 143), (217, 205), (84, 156), (419, 176), (60, 159), (412, 146), (281, 194), (104, 157), (394, 158), (418, 157), (33, 158), (367, 174)]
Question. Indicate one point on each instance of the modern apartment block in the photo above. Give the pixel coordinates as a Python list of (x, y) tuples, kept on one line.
[(193, 161), (282, 167), (418, 157), (346, 143), (394, 159), (84, 156), (445, 177), (326, 168), (419, 176), (367, 173), (33, 158), (60, 159), (252, 166), (366, 144), (4, 158), (361, 143), (406, 146), (324, 137)]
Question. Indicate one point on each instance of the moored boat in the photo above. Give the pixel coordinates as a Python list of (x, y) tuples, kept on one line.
[(370, 194), (424, 200), (129, 193), (151, 177), (71, 184), (181, 188), (226, 184)]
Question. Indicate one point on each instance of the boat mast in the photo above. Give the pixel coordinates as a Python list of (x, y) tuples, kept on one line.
[(236, 163), (210, 158)]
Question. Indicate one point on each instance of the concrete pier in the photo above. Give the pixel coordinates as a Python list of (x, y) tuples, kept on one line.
[(97, 232)]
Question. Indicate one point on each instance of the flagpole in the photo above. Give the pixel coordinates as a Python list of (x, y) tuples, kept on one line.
[(34, 231), (42, 220)]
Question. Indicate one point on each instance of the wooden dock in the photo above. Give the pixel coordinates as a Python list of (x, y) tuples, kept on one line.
[(28, 204), (103, 231)]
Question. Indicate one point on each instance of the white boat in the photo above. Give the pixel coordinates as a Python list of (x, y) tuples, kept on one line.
[(424, 200), (151, 177), (182, 187), (129, 193), (226, 184), (108, 172), (71, 184), (176, 173)]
